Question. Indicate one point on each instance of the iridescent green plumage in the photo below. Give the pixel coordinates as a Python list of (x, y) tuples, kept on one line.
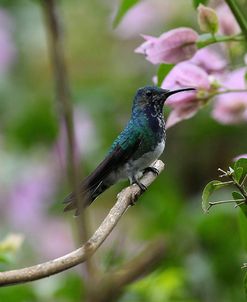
[(134, 150)]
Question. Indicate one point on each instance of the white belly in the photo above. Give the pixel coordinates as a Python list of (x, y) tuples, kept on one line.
[(138, 165)]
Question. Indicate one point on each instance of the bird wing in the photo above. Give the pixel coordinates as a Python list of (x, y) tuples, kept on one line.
[(117, 157)]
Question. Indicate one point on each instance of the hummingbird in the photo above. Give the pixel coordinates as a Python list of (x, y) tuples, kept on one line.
[(133, 152)]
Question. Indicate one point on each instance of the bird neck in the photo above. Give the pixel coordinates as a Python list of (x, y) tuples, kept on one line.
[(150, 120)]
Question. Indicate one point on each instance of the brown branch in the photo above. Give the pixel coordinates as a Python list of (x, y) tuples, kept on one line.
[(124, 199), (111, 286), (64, 101)]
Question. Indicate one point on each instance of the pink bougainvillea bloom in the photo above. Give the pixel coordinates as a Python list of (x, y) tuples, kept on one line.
[(227, 23), (240, 156), (209, 60), (171, 47), (138, 19), (184, 104), (231, 108)]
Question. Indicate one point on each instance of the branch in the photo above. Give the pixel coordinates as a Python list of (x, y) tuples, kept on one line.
[(64, 101), (110, 287), (124, 199)]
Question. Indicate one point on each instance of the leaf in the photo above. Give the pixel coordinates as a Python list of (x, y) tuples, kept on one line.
[(208, 191), (243, 207), (240, 165), (238, 173), (197, 2), (245, 285), (122, 10), (243, 229), (162, 72)]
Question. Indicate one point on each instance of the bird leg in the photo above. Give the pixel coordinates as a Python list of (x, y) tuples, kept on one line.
[(140, 185), (151, 169)]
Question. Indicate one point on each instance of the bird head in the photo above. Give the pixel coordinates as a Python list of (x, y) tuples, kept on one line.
[(153, 98)]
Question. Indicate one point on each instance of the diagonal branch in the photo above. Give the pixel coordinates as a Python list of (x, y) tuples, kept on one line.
[(110, 287), (39, 271)]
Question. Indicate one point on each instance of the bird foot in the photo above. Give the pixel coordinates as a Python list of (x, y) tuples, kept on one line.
[(141, 186), (151, 169)]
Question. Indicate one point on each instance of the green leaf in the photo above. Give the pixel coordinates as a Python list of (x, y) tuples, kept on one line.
[(162, 72), (238, 173), (240, 169), (208, 191), (197, 2), (243, 207), (243, 229), (123, 9), (245, 285)]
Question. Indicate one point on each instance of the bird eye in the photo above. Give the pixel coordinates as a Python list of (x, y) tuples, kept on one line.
[(148, 93)]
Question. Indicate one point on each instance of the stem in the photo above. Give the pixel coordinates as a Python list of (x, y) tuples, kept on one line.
[(242, 183), (64, 101), (208, 39), (215, 203), (236, 10), (213, 94)]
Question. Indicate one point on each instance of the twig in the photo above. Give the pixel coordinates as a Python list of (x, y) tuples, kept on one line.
[(214, 203), (124, 199)]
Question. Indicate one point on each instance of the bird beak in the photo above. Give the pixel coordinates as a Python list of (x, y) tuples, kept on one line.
[(169, 93)]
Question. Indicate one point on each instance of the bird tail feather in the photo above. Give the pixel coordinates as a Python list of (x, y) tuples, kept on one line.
[(85, 196)]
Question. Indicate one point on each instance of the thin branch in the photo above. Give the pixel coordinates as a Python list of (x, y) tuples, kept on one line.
[(64, 101), (124, 199), (110, 287)]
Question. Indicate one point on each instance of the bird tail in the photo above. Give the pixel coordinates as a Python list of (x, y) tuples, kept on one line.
[(85, 195)]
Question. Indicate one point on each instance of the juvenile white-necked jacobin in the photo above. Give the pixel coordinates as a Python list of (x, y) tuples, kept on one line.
[(133, 152)]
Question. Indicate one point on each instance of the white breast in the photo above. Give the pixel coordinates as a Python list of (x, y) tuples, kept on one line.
[(146, 160)]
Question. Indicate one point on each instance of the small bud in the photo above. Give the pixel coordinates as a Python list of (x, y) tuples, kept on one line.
[(207, 19)]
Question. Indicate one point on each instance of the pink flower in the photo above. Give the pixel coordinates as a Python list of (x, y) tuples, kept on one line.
[(231, 108), (209, 60), (171, 47), (240, 156), (227, 22), (185, 105), (138, 19)]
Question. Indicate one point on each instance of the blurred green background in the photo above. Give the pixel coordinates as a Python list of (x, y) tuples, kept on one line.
[(207, 251)]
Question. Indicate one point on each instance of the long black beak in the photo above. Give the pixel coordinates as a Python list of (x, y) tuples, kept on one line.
[(178, 90)]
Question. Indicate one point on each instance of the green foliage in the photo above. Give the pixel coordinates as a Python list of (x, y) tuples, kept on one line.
[(70, 289), (240, 169), (197, 2), (123, 9), (23, 293), (243, 229), (162, 72), (245, 285), (208, 191), (36, 125), (163, 286)]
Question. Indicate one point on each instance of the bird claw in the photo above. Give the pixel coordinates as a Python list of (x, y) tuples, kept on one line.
[(151, 169), (142, 187)]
